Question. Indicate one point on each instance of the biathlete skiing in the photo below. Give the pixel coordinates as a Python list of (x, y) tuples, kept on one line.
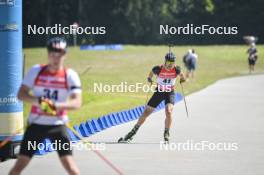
[(51, 89), (166, 79)]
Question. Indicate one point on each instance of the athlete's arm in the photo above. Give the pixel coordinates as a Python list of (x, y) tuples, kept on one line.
[(27, 84), (150, 74), (155, 71), (182, 76), (75, 99), (74, 102), (179, 72), (150, 77), (24, 95)]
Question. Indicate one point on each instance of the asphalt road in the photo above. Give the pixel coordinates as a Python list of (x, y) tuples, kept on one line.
[(226, 118)]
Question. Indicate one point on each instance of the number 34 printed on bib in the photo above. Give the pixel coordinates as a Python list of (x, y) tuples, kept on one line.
[(51, 94)]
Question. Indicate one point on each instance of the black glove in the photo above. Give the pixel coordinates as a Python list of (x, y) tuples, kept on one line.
[(150, 80), (47, 105), (182, 80)]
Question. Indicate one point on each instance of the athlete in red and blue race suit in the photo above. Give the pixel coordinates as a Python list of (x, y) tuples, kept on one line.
[(166, 79)]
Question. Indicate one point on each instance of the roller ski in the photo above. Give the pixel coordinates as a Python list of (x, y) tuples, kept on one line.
[(123, 140), (129, 137)]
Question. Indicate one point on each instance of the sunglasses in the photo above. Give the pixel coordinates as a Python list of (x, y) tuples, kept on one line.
[(170, 62)]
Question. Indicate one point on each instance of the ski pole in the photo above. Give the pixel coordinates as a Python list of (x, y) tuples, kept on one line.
[(108, 162), (186, 108)]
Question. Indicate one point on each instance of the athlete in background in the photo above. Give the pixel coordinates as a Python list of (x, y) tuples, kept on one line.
[(190, 61), (252, 57), (166, 80), (51, 89)]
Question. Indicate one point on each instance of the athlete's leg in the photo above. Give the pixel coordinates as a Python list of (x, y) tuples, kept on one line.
[(192, 74), (251, 65), (187, 74), (188, 71), (249, 68), (154, 101), (169, 102), (21, 163), (60, 134), (150, 107), (69, 164), (140, 121), (33, 134), (168, 121), (168, 112), (193, 71), (148, 110)]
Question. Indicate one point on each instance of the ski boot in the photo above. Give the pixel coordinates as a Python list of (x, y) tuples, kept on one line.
[(129, 137), (166, 136)]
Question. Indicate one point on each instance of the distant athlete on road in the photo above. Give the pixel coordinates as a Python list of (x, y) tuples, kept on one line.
[(190, 60), (51, 89), (252, 57), (166, 80)]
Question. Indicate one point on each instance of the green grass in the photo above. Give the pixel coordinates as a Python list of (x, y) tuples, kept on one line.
[(133, 64)]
